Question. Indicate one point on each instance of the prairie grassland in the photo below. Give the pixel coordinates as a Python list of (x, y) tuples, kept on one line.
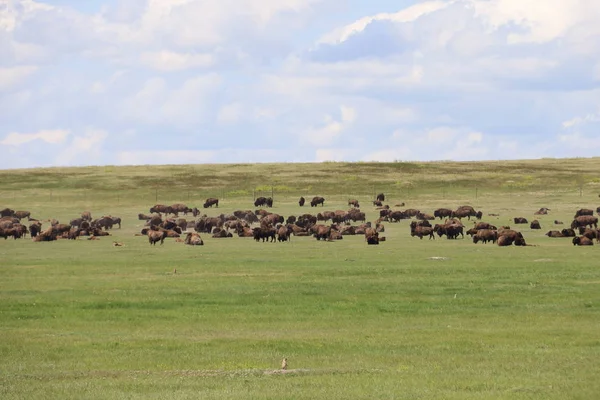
[(410, 318)]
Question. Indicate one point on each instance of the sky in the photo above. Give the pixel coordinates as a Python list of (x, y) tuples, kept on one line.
[(135, 82)]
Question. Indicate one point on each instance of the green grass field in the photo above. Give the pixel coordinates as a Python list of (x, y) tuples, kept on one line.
[(408, 319)]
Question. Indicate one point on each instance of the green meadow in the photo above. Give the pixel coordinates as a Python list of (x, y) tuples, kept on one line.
[(408, 319)]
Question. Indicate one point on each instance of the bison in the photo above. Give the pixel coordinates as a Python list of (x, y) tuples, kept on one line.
[(193, 239), (584, 220), (582, 241), (535, 224), (263, 201), (353, 203), (485, 235), (317, 200), (583, 211), (442, 213), (301, 201), (520, 220), (211, 201), (155, 236), (380, 197), (554, 234)]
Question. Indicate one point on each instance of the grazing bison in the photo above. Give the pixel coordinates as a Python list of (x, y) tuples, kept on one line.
[(542, 211), (301, 201), (485, 235), (442, 213), (378, 204), (557, 222), (7, 212), (86, 216), (554, 234), (263, 201), (180, 208), (353, 203), (584, 220), (535, 224), (161, 208), (582, 241), (264, 233), (317, 200), (464, 212), (583, 211), (211, 201), (380, 197), (520, 220), (421, 231), (22, 214)]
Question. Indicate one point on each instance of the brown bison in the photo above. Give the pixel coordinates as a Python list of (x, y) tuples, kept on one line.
[(464, 212), (161, 208), (321, 232), (442, 213), (86, 216), (554, 234), (22, 214), (380, 197), (557, 222), (535, 224), (583, 211), (180, 208), (542, 211), (155, 236), (377, 203), (193, 239), (568, 232), (584, 220), (263, 201), (264, 233), (506, 237), (7, 212), (317, 200), (485, 235), (301, 201), (211, 201), (353, 203), (520, 220), (582, 241)]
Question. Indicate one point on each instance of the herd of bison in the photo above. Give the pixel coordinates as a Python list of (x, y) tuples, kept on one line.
[(164, 221)]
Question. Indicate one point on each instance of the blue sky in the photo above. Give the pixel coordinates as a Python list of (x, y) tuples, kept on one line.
[(214, 81)]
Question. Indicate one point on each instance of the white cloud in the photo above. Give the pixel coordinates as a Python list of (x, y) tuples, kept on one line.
[(581, 120), (331, 130), (230, 113), (171, 61), (12, 76), (83, 149), (55, 136), (407, 15)]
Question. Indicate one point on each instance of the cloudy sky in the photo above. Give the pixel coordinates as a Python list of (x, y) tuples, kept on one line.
[(213, 81)]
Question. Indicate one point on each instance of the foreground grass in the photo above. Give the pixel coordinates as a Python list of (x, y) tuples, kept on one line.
[(407, 319)]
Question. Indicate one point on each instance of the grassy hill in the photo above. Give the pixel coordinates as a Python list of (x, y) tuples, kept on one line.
[(410, 318)]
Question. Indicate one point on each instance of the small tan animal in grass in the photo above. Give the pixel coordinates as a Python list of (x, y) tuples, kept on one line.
[(118, 244), (284, 364)]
